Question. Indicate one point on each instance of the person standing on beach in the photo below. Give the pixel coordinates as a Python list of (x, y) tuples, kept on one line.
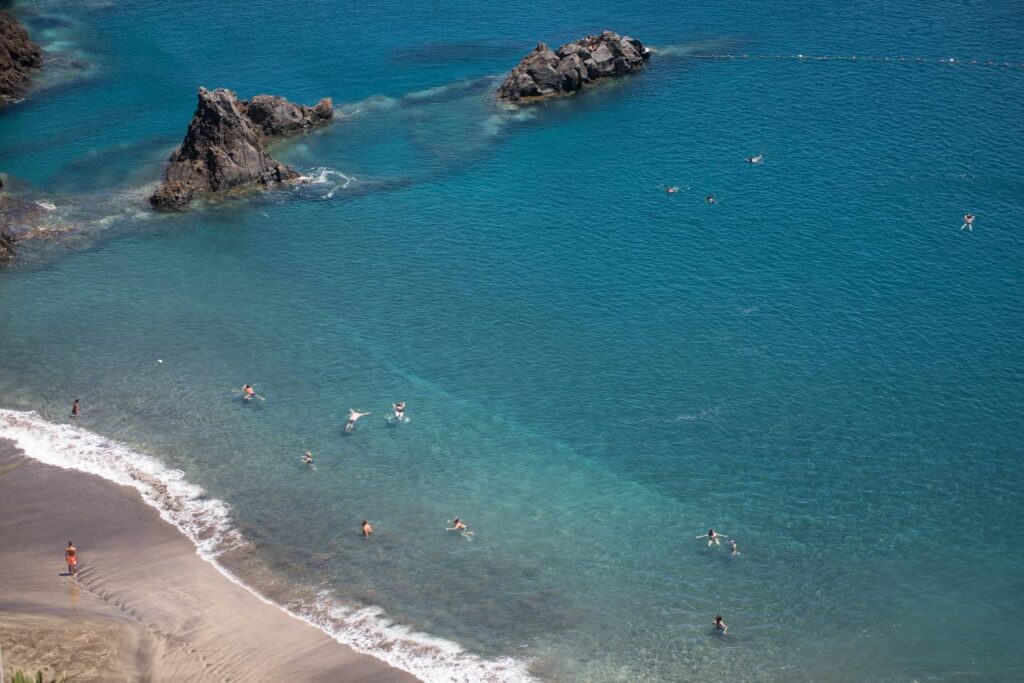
[(367, 529), (71, 557), (74, 408)]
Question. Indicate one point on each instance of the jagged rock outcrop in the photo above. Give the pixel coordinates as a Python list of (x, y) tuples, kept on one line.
[(224, 147), (6, 247), (19, 57), (545, 73)]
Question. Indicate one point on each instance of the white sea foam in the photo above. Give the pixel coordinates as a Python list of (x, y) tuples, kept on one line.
[(206, 522)]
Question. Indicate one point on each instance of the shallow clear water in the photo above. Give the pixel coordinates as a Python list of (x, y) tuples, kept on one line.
[(821, 364)]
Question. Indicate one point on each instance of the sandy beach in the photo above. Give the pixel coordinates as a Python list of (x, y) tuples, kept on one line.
[(144, 605)]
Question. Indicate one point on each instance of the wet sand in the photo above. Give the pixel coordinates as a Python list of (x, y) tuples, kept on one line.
[(144, 605)]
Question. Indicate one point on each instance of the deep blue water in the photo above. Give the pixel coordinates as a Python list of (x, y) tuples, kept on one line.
[(821, 365)]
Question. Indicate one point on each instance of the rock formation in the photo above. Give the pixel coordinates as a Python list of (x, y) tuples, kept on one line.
[(19, 56), (545, 73), (224, 146)]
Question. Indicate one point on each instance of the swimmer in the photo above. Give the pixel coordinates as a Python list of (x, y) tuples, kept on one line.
[(367, 529), (74, 408), (71, 557), (457, 525), (720, 625), (248, 392), (710, 199), (734, 547), (968, 222), (399, 410), (755, 160), (672, 190), (353, 415), (308, 458), (712, 537)]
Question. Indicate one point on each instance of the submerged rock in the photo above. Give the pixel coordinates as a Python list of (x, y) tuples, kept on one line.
[(6, 247), (224, 147), (19, 57), (546, 73)]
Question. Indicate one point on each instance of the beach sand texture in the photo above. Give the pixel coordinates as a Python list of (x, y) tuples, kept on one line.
[(145, 606)]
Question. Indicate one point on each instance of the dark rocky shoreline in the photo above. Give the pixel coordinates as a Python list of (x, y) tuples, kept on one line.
[(546, 73), (223, 149), (19, 57)]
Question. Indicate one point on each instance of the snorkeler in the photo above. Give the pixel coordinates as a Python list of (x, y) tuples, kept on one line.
[(353, 415), (712, 537), (720, 625), (367, 529), (968, 222)]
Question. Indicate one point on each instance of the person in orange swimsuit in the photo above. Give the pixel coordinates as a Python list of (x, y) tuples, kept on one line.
[(71, 557)]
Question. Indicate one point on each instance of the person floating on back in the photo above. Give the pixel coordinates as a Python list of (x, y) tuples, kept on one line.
[(712, 537), (968, 222), (367, 529), (74, 408), (720, 625), (353, 415), (71, 557)]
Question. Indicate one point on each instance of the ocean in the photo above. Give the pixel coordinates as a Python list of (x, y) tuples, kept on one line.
[(821, 365)]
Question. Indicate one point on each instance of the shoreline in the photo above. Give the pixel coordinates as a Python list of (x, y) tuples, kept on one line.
[(145, 605)]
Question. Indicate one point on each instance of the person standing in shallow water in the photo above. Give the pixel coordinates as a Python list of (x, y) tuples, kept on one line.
[(71, 557), (367, 529), (74, 408), (720, 626)]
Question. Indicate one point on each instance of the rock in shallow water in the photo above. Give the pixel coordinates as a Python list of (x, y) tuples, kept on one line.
[(19, 56), (223, 148), (546, 73)]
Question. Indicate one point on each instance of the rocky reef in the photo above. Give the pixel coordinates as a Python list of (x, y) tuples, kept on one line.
[(545, 73), (224, 149), (19, 57)]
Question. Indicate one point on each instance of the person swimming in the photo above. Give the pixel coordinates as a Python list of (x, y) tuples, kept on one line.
[(710, 199), (755, 160), (399, 410), (248, 392), (457, 525), (968, 222), (712, 537), (353, 415), (672, 189), (734, 547), (367, 529), (307, 458), (720, 625)]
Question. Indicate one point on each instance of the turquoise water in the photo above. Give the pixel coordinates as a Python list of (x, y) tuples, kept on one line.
[(821, 365)]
